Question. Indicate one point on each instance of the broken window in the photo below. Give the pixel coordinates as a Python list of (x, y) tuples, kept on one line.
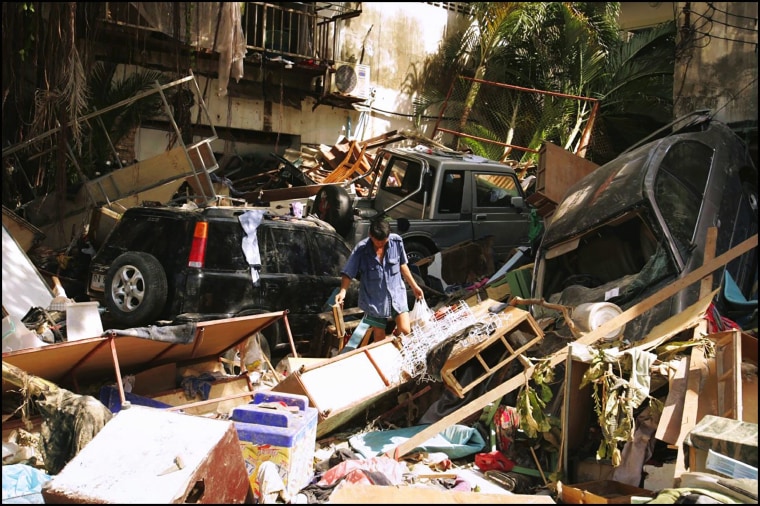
[(679, 189)]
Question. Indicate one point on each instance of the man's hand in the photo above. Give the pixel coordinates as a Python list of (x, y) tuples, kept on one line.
[(340, 296)]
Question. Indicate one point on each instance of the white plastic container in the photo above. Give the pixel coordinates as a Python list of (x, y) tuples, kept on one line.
[(83, 320), (16, 335), (592, 315)]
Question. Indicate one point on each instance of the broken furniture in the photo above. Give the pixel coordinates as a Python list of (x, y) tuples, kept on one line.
[(344, 386), (558, 169), (72, 364), (152, 456), (329, 337), (518, 333)]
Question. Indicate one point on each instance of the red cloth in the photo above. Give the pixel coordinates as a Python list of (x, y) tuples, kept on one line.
[(493, 461)]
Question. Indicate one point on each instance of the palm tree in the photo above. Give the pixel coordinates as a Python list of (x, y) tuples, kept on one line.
[(572, 48), (494, 23), (115, 126)]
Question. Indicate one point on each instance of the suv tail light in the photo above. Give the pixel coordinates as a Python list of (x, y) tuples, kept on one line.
[(197, 256)]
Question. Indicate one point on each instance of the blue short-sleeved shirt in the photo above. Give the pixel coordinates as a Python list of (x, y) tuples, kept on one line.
[(381, 284)]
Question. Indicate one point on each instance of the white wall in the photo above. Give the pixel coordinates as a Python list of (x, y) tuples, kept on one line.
[(400, 35)]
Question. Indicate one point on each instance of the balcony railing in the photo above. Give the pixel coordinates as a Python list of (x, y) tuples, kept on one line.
[(291, 30)]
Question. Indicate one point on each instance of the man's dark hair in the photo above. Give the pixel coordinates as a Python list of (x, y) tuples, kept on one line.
[(380, 229)]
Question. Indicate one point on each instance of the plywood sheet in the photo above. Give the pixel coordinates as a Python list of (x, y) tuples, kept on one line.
[(373, 494), (23, 286)]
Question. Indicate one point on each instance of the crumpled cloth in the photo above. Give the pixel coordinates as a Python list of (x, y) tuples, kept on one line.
[(194, 385), (182, 334), (373, 471), (456, 441)]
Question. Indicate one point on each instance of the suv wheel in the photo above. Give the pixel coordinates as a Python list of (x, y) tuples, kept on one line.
[(136, 289)]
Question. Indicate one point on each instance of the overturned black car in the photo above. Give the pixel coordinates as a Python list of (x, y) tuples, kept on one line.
[(640, 222)]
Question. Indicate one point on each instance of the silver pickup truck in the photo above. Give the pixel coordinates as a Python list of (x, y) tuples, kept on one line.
[(435, 199)]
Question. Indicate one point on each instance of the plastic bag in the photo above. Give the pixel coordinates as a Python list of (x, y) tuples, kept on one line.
[(421, 314)]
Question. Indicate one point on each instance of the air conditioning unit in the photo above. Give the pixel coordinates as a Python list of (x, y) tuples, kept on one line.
[(351, 79)]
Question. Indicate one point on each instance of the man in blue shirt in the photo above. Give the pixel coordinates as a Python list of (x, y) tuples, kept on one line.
[(380, 262)]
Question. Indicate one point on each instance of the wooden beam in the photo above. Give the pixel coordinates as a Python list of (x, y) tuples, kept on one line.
[(561, 355)]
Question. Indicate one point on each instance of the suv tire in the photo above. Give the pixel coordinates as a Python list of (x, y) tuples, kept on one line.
[(135, 289), (333, 205)]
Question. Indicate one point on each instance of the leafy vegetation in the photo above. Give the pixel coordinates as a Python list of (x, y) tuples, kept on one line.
[(572, 48)]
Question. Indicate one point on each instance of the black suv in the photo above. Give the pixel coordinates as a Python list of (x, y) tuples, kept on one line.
[(181, 264)]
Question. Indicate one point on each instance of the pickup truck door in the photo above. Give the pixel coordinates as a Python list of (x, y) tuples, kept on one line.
[(494, 214)]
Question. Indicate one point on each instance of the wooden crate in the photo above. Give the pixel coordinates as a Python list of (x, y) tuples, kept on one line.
[(493, 353)]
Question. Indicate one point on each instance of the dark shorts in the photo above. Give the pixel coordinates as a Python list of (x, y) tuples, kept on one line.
[(375, 321)]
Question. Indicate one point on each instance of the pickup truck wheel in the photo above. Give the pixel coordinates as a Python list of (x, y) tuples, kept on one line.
[(416, 251), (333, 205), (135, 289)]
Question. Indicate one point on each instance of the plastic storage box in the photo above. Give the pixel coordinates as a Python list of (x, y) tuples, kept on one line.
[(280, 428)]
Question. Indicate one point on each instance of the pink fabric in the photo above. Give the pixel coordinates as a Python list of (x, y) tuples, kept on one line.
[(352, 471)]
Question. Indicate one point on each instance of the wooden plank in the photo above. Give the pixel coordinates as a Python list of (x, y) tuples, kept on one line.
[(710, 242), (697, 363), (374, 494), (690, 406), (560, 356), (670, 421), (727, 373)]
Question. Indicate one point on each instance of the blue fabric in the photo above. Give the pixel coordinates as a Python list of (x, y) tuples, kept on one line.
[(381, 287), (22, 484), (456, 441)]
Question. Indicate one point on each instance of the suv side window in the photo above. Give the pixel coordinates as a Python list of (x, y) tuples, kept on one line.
[(679, 188), (495, 190), (284, 251), (333, 255)]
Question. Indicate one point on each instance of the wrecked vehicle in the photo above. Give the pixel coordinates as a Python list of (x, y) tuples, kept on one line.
[(640, 222), (189, 263), (435, 199)]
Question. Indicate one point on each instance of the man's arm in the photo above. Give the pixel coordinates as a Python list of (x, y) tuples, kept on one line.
[(407, 274), (341, 295)]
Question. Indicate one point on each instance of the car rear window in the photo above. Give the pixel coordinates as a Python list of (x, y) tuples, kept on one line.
[(160, 236), (224, 248)]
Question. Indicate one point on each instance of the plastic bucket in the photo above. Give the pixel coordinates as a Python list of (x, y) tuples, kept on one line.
[(592, 315), (83, 321)]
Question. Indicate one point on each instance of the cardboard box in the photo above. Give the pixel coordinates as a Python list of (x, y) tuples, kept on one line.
[(600, 492), (280, 428)]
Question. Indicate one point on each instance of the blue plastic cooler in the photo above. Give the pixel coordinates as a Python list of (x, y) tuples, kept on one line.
[(280, 428)]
